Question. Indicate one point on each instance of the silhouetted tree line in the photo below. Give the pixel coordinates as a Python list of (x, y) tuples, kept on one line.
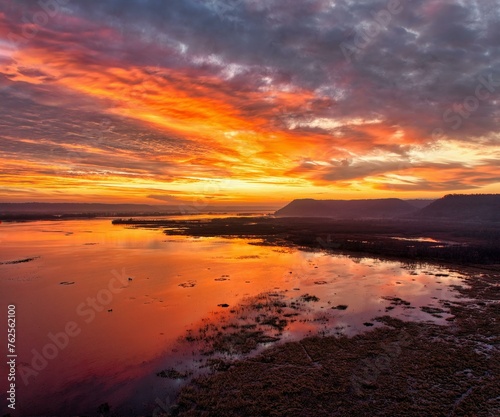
[(416, 251)]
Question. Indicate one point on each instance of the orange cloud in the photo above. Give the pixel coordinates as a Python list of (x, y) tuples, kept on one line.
[(277, 141)]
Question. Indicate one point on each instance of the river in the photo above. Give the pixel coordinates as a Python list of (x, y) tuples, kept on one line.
[(99, 307)]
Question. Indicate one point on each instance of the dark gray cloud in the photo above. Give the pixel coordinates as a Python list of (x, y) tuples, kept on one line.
[(427, 58), (430, 66)]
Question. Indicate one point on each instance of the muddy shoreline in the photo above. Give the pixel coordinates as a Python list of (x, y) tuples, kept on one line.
[(400, 368), (395, 368), (455, 243)]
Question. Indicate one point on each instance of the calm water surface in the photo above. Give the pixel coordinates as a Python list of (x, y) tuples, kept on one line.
[(126, 295)]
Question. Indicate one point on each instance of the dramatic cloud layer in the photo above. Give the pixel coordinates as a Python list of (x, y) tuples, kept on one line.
[(248, 100)]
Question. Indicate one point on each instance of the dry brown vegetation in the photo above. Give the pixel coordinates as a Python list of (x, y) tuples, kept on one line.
[(401, 369), (459, 242)]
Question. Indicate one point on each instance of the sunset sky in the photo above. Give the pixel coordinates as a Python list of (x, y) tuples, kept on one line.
[(247, 101)]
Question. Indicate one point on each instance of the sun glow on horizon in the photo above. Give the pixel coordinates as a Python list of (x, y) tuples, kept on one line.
[(93, 112)]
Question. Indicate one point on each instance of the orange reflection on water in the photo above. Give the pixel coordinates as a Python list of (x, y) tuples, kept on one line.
[(131, 293)]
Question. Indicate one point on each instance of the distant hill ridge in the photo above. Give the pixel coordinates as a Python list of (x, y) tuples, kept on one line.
[(453, 207), (464, 207), (347, 209)]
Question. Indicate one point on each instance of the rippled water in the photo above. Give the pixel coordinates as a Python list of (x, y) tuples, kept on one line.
[(116, 299)]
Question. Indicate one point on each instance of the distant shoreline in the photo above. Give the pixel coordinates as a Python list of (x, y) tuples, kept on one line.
[(460, 243), (27, 217)]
